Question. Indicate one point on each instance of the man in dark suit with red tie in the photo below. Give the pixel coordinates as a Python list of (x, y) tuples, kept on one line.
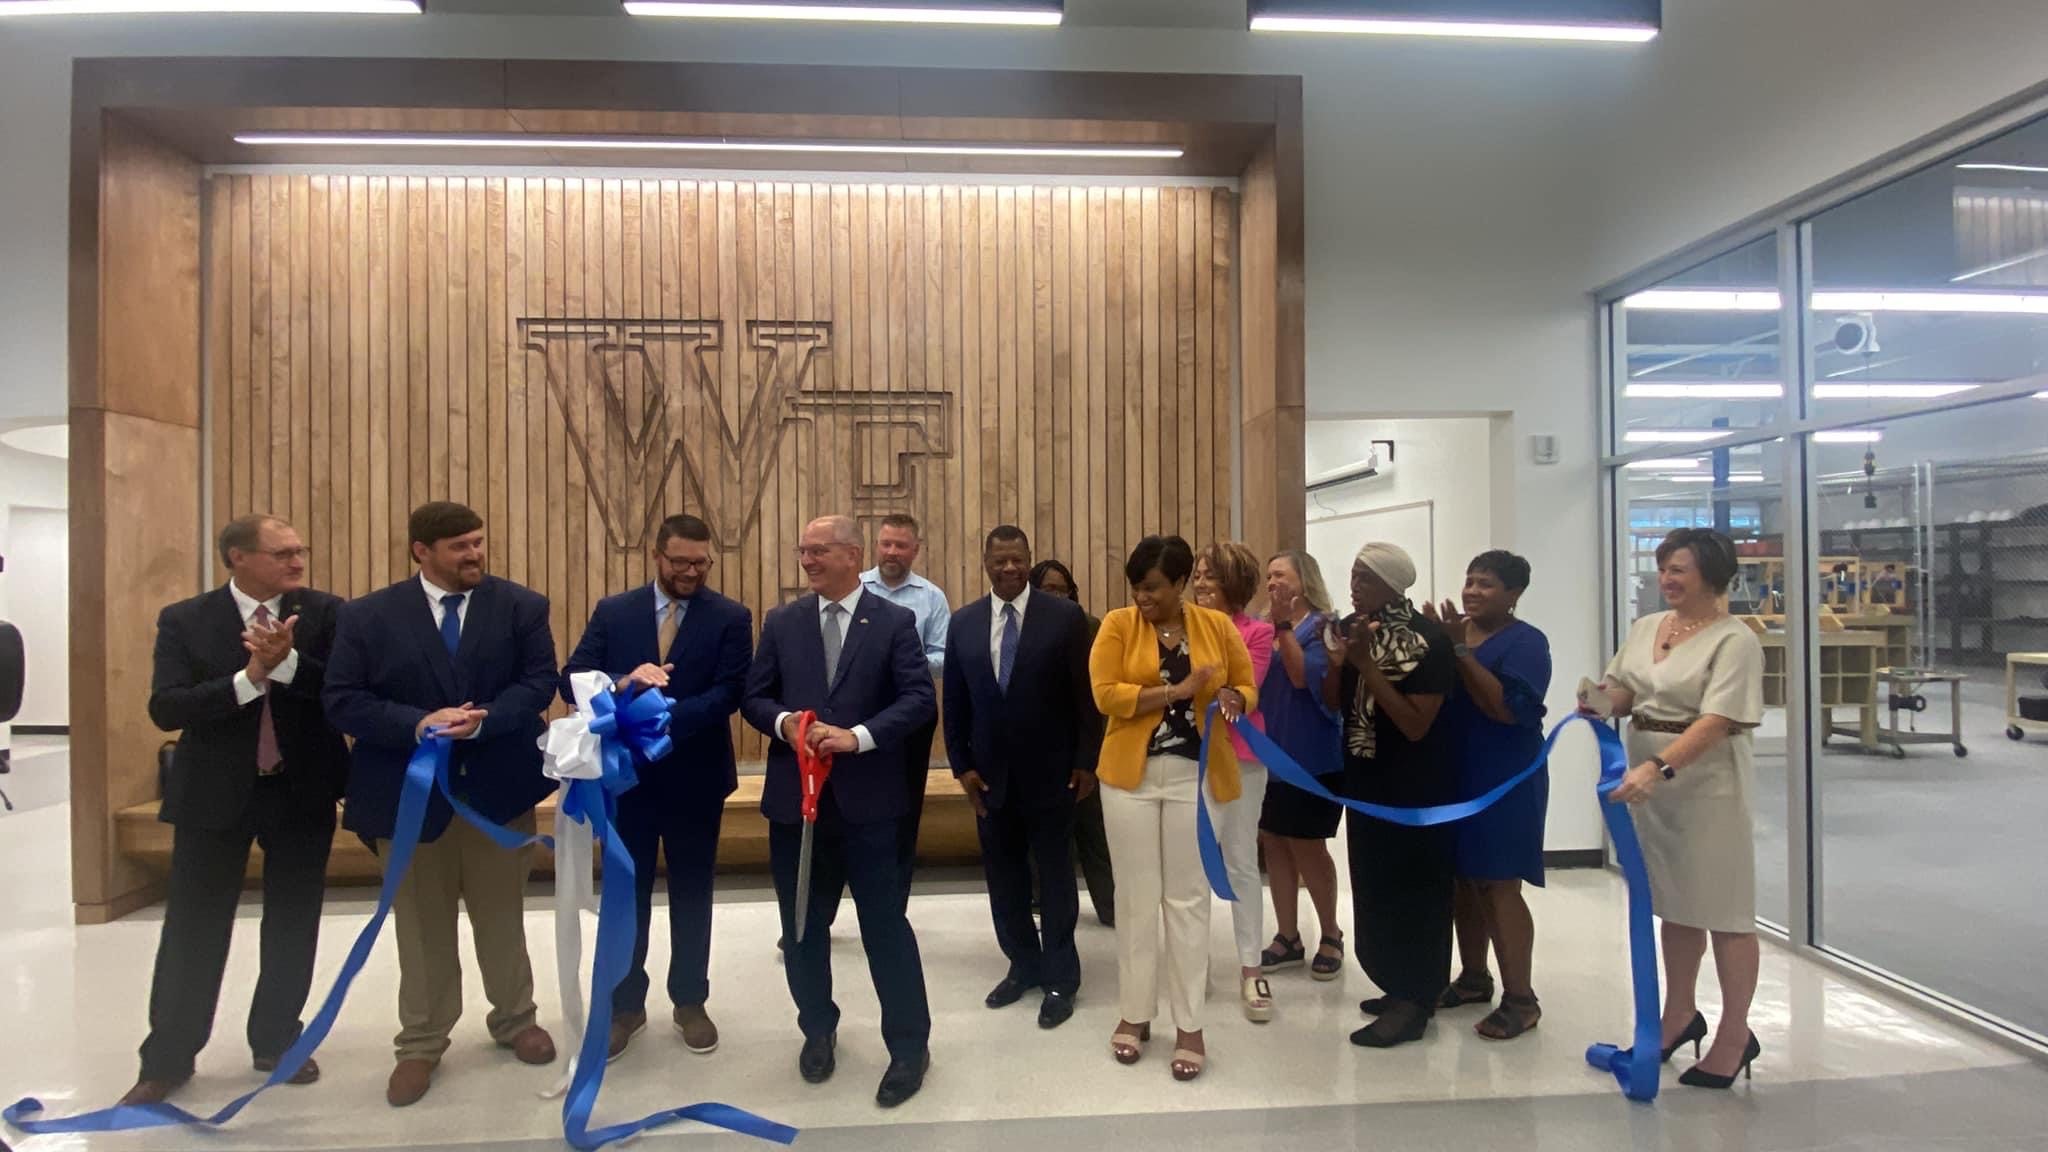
[(677, 635), (854, 660), (456, 651), (1022, 733), (238, 675)]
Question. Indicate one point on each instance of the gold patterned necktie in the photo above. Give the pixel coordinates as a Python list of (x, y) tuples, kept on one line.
[(665, 633)]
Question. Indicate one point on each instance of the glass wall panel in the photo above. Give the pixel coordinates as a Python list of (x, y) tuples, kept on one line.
[(1933, 535), (1699, 352), (1736, 490), (1933, 285)]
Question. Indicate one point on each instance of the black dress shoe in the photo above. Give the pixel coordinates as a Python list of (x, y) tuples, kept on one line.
[(1056, 1009), (817, 1060), (903, 1079), (1007, 993)]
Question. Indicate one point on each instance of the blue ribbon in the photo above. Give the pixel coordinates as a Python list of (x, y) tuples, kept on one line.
[(627, 726), (1636, 1068), (429, 764)]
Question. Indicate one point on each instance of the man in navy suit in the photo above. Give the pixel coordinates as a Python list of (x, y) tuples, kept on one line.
[(854, 659), (1022, 732), (677, 635), (470, 656)]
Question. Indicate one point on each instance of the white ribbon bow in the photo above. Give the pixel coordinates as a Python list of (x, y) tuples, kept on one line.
[(571, 751)]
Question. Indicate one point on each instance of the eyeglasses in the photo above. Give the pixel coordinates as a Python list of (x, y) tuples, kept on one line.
[(287, 555), (817, 551), (703, 565)]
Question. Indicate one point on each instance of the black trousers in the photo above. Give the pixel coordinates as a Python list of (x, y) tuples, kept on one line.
[(861, 857), (917, 766), (1091, 850), (1017, 841), (685, 828), (1401, 895), (207, 867)]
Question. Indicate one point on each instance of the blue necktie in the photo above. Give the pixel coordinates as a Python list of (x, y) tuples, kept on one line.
[(451, 621), (1006, 656)]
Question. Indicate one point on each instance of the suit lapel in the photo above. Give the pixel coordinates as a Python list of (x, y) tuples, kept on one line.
[(414, 594), (480, 602), (980, 658), (857, 630), (810, 642), (687, 631), (224, 627)]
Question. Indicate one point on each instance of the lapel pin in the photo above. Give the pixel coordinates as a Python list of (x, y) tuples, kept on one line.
[(863, 619)]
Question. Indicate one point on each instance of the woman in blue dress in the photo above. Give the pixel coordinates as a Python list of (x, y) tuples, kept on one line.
[(1503, 675)]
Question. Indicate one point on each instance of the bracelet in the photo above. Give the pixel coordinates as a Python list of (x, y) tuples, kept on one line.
[(1665, 767)]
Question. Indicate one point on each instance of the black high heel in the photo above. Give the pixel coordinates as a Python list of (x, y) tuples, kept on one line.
[(1694, 1078), (1694, 1032)]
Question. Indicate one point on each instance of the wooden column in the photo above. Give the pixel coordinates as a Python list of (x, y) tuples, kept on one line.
[(135, 474), (1273, 338)]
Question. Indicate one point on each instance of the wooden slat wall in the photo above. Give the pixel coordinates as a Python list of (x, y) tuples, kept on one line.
[(1059, 358)]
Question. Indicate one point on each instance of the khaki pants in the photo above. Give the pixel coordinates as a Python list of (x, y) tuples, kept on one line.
[(1159, 875), (465, 867)]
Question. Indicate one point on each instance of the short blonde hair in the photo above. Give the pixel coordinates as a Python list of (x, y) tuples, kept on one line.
[(1313, 589), (1235, 568)]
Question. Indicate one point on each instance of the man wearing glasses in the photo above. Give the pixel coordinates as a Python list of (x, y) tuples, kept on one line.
[(238, 676), (677, 635)]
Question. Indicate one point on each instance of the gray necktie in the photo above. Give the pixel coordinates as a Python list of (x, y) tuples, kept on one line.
[(833, 634)]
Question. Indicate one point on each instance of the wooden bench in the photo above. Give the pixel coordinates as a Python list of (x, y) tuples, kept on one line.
[(946, 835)]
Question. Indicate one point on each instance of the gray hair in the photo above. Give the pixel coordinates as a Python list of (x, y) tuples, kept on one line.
[(242, 534), (844, 530)]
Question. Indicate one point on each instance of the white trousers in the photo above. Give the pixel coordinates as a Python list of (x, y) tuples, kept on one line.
[(1151, 833), (1237, 830)]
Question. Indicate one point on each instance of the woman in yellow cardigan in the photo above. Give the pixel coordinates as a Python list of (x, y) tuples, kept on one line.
[(1156, 667)]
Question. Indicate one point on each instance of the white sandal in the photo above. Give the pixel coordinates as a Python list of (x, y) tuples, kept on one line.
[(1258, 999)]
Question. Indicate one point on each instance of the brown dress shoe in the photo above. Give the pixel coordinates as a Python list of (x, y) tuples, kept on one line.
[(700, 1035), (150, 1091), (625, 1026), (533, 1045), (308, 1073), (409, 1081)]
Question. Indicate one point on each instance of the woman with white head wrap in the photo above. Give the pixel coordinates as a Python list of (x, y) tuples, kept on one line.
[(1390, 670)]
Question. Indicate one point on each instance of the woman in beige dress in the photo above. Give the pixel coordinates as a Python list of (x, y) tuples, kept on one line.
[(1691, 682)]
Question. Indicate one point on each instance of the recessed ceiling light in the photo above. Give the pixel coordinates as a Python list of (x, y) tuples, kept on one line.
[(1665, 464), (1034, 16), (1849, 436), (1468, 29), (680, 144), (1888, 391), (175, 7)]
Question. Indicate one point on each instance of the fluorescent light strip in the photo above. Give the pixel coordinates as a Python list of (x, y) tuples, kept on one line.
[(1850, 436), (1665, 465), (675, 144), (1369, 26), (1751, 390), (862, 14), (176, 7), (1674, 436), (1888, 391), (2033, 168), (1733, 478), (1764, 300)]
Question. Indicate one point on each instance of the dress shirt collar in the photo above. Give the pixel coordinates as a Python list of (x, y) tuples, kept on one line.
[(847, 602), (247, 604), (996, 603), (913, 580), (436, 593)]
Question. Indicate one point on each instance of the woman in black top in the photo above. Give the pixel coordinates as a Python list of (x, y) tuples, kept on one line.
[(1390, 672)]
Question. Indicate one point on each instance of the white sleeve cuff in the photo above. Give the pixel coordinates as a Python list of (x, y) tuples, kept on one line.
[(867, 740), (781, 718), (246, 690), (284, 672)]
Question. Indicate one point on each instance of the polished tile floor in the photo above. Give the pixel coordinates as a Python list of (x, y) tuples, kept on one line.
[(1843, 1067)]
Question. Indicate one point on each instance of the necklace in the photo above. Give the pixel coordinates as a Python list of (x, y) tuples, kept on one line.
[(1679, 632)]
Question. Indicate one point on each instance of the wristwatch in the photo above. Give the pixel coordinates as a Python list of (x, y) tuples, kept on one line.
[(1669, 772), (1461, 650)]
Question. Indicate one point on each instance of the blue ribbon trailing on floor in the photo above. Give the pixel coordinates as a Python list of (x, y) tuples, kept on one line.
[(638, 726), (1636, 1069)]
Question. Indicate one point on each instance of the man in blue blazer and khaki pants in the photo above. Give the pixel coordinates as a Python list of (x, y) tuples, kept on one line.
[(855, 660), (469, 655), (678, 635)]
